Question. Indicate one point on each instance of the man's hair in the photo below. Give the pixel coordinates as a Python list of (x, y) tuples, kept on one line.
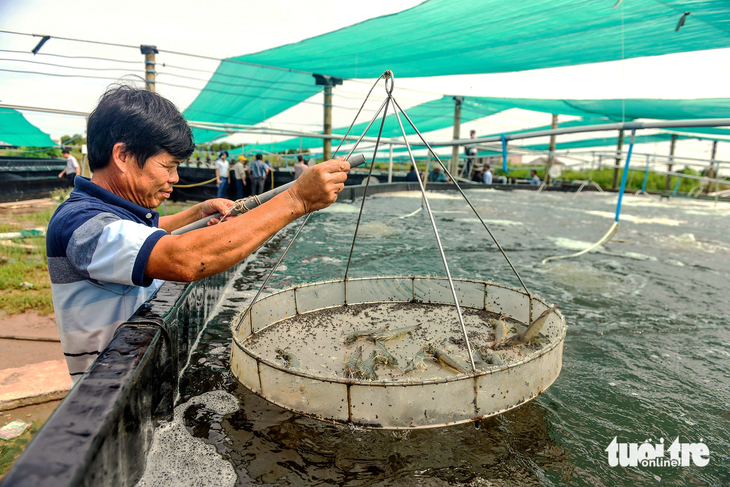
[(486, 166), (65, 151), (300, 158), (259, 157), (146, 123)]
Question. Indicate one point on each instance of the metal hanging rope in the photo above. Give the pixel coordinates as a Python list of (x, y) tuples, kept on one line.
[(438, 241), (448, 174), (299, 230)]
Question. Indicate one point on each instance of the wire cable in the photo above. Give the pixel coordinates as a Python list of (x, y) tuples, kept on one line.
[(72, 57), (67, 66)]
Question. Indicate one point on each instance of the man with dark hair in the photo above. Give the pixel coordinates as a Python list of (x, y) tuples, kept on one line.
[(72, 167), (258, 170), (108, 250), (534, 180), (299, 167)]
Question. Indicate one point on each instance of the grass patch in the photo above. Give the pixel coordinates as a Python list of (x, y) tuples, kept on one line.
[(10, 450), (172, 207), (24, 280)]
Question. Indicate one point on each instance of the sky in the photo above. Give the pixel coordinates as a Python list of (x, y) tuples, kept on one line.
[(225, 28)]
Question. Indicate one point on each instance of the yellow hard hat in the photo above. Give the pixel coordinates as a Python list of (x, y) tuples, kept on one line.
[(241, 158)]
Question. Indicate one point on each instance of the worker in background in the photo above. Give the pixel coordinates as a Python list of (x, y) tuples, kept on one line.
[(299, 166), (239, 172), (412, 176), (258, 170), (534, 180), (222, 170), (487, 175), (436, 176), (471, 155), (109, 250), (72, 167)]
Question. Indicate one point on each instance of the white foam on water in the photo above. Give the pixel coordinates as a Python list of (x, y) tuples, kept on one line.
[(491, 222), (176, 458), (571, 244), (417, 195), (675, 263), (377, 229), (637, 219), (637, 256), (340, 208)]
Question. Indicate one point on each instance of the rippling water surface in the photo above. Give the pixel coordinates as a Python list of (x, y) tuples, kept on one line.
[(647, 354)]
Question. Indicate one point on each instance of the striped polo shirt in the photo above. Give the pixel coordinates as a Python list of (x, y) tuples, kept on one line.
[(98, 245)]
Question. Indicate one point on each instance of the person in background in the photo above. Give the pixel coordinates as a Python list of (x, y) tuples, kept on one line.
[(222, 168), (436, 176), (258, 170), (299, 166), (412, 176), (487, 175), (478, 175), (240, 172), (534, 180), (72, 167), (471, 155)]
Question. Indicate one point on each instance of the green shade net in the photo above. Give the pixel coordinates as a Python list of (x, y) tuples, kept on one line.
[(443, 37), (429, 116), (622, 109), (608, 142), (16, 130), (246, 95), (439, 114)]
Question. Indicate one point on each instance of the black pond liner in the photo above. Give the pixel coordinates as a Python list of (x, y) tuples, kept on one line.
[(100, 434), (26, 178)]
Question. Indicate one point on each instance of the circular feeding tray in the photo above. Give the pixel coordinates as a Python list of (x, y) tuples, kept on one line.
[(389, 352)]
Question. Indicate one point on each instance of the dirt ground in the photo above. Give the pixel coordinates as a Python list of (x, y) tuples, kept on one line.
[(20, 351)]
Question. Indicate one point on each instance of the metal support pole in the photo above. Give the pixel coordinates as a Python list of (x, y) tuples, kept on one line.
[(327, 143), (715, 165), (505, 169), (149, 66), (672, 146), (551, 154), (618, 158), (457, 133), (328, 82), (676, 186), (390, 165)]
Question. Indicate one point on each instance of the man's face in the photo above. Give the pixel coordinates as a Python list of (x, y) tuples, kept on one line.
[(65, 154), (151, 185)]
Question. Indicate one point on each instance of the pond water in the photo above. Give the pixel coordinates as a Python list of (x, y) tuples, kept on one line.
[(646, 357)]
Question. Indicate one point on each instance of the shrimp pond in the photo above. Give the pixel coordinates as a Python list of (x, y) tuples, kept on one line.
[(646, 355)]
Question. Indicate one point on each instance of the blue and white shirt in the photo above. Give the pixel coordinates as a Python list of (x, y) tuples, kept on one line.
[(258, 169), (98, 245)]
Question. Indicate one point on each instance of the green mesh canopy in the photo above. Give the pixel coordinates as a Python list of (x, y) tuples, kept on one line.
[(246, 95), (16, 130), (607, 142), (439, 114), (444, 37)]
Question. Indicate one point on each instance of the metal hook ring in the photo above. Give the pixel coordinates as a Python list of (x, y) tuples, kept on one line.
[(388, 75)]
